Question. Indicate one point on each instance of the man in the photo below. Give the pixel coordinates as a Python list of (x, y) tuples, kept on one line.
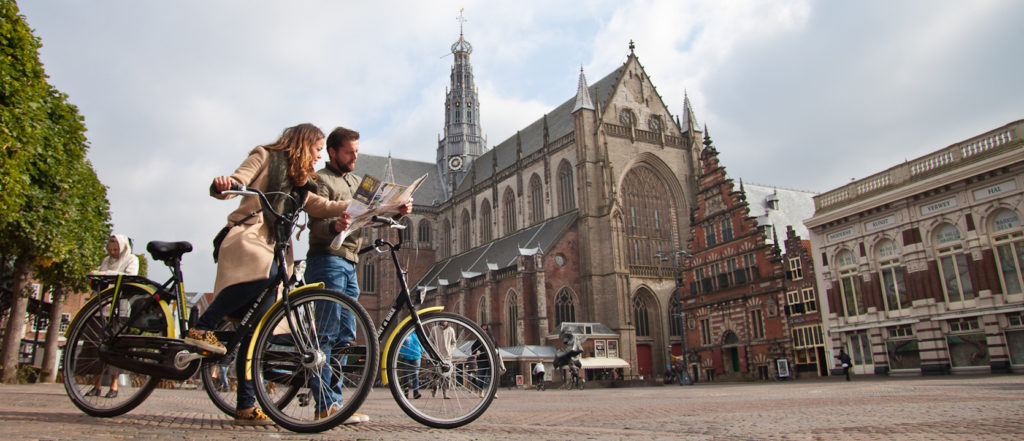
[(336, 268), (844, 360)]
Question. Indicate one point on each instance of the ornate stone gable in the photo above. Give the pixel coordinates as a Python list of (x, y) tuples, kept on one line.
[(733, 272)]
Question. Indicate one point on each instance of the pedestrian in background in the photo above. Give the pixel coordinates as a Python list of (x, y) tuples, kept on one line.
[(844, 360), (119, 260)]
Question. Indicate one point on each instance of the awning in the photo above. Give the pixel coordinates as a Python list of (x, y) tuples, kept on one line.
[(528, 352), (603, 363)]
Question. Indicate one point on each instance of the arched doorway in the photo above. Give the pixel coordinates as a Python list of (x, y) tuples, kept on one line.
[(646, 320), (731, 353)]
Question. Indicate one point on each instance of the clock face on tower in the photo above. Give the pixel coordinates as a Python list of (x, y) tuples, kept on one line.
[(455, 163)]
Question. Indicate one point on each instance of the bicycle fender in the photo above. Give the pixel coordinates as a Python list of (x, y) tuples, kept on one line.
[(387, 344), (148, 288), (263, 321)]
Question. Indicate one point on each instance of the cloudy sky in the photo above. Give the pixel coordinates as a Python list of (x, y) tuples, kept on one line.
[(799, 94)]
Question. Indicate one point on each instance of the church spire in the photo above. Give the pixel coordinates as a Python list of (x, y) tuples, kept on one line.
[(583, 94), (689, 118), (462, 142)]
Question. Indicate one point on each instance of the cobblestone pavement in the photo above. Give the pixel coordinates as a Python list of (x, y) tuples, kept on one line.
[(869, 408)]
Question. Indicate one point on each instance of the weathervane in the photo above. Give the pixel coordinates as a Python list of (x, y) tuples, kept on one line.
[(461, 20)]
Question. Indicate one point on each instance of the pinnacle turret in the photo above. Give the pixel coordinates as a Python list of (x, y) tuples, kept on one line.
[(583, 94)]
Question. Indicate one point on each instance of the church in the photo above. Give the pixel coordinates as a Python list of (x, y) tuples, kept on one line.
[(575, 221)]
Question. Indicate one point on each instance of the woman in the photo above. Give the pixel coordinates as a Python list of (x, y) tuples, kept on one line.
[(119, 260), (246, 264)]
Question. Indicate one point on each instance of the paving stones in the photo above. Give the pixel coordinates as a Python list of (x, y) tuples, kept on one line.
[(870, 408)]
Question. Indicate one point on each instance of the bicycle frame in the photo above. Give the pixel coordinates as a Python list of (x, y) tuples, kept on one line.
[(402, 300)]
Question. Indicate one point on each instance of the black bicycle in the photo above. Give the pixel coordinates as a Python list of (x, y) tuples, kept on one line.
[(454, 377), (131, 332)]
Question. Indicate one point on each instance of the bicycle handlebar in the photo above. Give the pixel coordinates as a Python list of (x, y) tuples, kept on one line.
[(379, 242), (240, 189), (390, 222)]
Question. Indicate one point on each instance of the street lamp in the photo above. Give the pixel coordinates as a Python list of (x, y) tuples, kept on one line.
[(678, 298)]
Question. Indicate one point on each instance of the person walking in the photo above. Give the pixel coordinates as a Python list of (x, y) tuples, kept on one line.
[(246, 265), (844, 360)]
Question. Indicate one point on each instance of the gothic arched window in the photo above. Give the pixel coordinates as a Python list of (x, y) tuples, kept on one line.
[(644, 194), (481, 311), (513, 318), (536, 200), (423, 233), (445, 242), (675, 319), (464, 235), (510, 211), (565, 310), (368, 280), (405, 234), (485, 222), (640, 317), (566, 194)]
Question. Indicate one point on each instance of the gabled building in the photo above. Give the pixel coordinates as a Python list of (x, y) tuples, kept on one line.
[(803, 310), (734, 310)]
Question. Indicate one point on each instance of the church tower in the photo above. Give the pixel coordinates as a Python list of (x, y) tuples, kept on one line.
[(461, 143)]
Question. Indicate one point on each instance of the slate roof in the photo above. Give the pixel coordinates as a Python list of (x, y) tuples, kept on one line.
[(531, 137), (500, 253)]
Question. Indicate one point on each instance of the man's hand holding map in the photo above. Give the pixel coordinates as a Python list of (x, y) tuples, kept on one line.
[(375, 198)]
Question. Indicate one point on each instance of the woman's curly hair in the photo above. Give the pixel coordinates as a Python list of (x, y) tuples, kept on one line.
[(298, 142)]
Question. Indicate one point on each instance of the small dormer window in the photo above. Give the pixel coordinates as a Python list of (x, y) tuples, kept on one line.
[(772, 202)]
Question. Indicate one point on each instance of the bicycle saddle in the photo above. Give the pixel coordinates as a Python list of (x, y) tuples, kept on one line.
[(167, 250)]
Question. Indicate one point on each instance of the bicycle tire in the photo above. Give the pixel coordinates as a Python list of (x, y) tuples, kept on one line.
[(81, 367), (224, 396), (469, 385), (275, 360)]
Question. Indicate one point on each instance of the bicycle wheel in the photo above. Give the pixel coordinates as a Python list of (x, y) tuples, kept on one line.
[(337, 371), (453, 391), (83, 372), (220, 380)]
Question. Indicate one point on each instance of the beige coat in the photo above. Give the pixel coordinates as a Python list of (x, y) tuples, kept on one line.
[(245, 254)]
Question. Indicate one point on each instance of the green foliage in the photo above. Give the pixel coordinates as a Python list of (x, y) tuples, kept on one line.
[(55, 208), (28, 374), (23, 90)]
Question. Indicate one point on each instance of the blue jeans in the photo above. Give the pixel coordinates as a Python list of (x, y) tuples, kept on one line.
[(234, 301), (335, 325)]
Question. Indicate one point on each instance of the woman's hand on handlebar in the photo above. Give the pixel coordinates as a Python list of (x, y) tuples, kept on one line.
[(222, 183)]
